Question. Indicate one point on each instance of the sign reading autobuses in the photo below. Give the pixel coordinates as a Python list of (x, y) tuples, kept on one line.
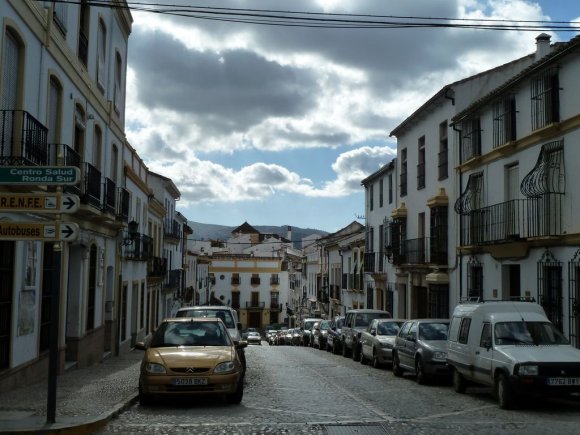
[(40, 175), (66, 231)]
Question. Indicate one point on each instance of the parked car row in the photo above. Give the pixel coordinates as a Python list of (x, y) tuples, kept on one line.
[(510, 346)]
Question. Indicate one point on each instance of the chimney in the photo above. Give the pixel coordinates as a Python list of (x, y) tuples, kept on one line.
[(289, 237), (542, 45)]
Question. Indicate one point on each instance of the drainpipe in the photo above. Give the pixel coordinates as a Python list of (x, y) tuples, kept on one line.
[(460, 220)]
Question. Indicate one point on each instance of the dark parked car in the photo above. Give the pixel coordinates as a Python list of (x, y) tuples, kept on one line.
[(421, 348), (357, 321), (334, 335)]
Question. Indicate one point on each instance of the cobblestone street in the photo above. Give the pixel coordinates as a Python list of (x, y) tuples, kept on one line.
[(303, 390)]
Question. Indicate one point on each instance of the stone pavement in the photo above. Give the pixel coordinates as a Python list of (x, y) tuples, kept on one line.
[(86, 398)]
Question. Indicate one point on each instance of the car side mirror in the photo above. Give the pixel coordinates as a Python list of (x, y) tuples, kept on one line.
[(240, 344), (239, 326), (140, 345), (373, 332), (411, 337)]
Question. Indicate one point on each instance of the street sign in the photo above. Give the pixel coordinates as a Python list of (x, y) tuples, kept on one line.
[(40, 175), (45, 231), (39, 202)]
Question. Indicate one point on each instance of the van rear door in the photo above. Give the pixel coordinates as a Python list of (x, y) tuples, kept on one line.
[(483, 355)]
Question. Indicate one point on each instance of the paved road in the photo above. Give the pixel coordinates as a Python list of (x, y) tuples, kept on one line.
[(304, 390)]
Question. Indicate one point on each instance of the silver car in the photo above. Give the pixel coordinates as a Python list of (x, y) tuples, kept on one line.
[(421, 348), (378, 341)]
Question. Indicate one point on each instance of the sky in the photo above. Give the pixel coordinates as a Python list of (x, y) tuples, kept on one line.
[(278, 125)]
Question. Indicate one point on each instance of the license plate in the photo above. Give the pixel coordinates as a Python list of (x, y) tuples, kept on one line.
[(190, 381), (563, 381)]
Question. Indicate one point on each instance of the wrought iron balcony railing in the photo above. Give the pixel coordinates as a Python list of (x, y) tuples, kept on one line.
[(172, 279), (235, 280), (274, 305), (172, 229), (157, 267), (423, 250), (23, 139), (91, 185), (255, 280), (274, 280), (513, 220), (138, 247), (255, 304)]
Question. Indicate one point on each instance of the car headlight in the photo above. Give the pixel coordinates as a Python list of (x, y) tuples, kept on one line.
[(439, 355), (155, 369), (225, 367), (528, 371)]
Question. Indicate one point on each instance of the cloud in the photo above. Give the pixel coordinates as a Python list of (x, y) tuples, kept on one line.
[(200, 88)]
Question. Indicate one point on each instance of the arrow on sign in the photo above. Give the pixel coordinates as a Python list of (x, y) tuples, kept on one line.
[(67, 231), (69, 202)]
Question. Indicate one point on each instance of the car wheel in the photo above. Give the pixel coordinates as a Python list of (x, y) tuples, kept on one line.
[(145, 399), (420, 372), (355, 352), (363, 359), (397, 370), (376, 363), (458, 382), (344, 349), (504, 392), (236, 398)]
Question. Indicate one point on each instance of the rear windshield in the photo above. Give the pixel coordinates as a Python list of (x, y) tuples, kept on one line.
[(433, 331), (364, 319), (389, 328), (190, 334), (225, 315)]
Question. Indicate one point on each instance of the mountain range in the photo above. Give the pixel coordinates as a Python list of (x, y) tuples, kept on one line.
[(203, 231)]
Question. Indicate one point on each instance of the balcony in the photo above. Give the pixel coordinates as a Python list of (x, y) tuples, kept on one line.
[(171, 229), (23, 139), (156, 267), (91, 186), (513, 220), (122, 211), (274, 305), (255, 280), (235, 280), (423, 250), (172, 280), (137, 248), (109, 196), (274, 280), (255, 305)]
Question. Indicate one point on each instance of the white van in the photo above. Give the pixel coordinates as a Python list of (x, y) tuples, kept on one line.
[(512, 347)]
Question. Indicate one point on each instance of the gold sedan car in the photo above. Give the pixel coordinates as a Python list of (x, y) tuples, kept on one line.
[(191, 356)]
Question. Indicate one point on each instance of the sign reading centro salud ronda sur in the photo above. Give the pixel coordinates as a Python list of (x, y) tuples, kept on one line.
[(40, 175)]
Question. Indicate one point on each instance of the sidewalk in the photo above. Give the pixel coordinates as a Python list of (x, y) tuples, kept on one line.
[(86, 398)]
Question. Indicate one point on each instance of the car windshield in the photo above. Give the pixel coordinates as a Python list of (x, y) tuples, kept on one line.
[(530, 333), (324, 325), (389, 328), (433, 331), (308, 325), (363, 319), (190, 334), (225, 315)]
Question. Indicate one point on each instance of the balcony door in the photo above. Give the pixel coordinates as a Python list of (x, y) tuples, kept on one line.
[(512, 196), (9, 96)]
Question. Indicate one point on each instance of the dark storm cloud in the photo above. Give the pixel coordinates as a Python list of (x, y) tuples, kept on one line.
[(232, 90)]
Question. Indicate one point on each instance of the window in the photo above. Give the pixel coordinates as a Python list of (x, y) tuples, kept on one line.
[(464, 330), (255, 279), (474, 279), (470, 139), (371, 196), (142, 307), (235, 279), (485, 335), (54, 115), (60, 15), (381, 193), (83, 43), (101, 55), (118, 95), (404, 172), (504, 121), (421, 163), (274, 301), (79, 131), (443, 151), (97, 147), (10, 95), (545, 94), (390, 188), (439, 231), (92, 290), (274, 279)]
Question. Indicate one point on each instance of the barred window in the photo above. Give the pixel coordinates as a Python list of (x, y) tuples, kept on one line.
[(504, 121), (404, 172), (421, 163), (545, 95), (443, 151), (470, 139)]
